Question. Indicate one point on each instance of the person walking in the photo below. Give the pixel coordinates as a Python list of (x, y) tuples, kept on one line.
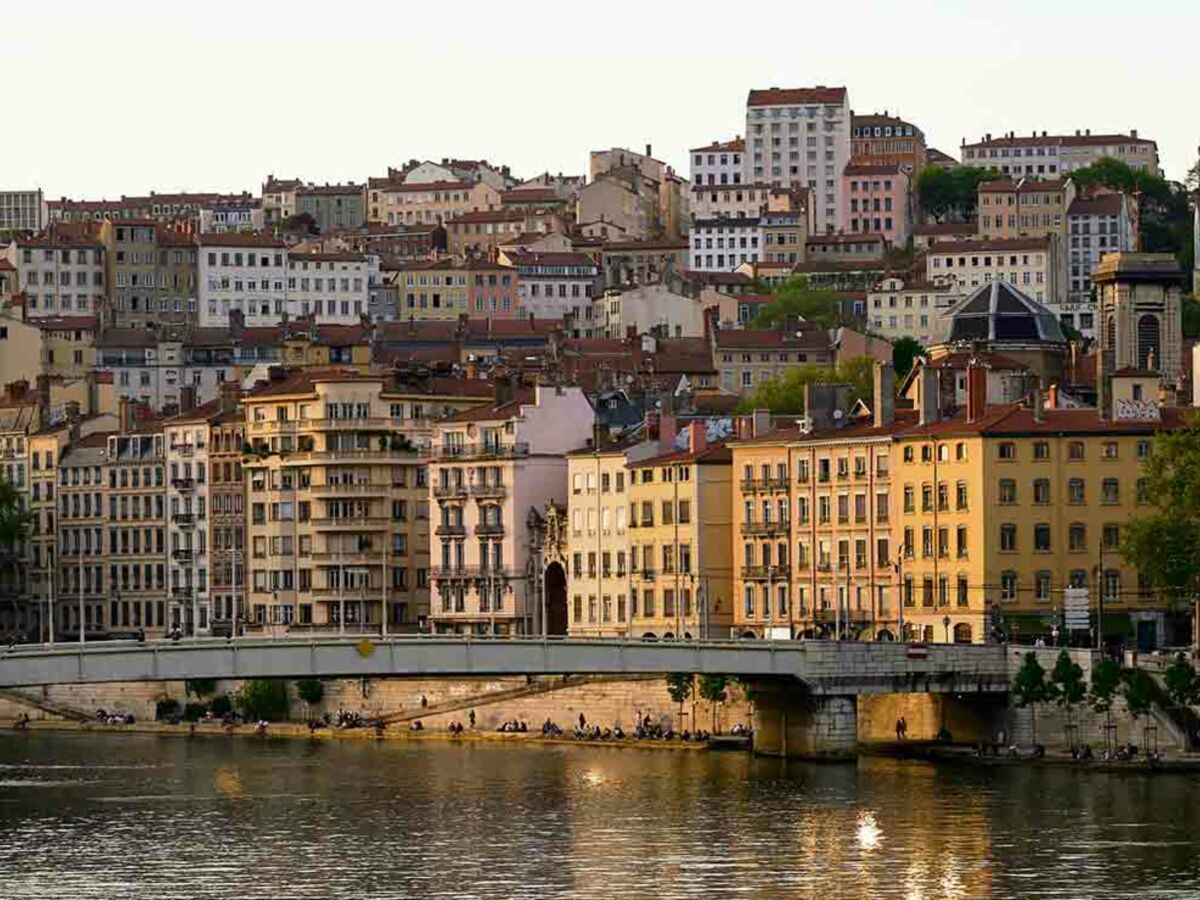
[(899, 730), (903, 728), (471, 719)]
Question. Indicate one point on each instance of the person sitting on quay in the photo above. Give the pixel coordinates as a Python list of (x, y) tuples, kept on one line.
[(416, 726)]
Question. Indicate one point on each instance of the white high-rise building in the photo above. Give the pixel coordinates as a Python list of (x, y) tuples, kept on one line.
[(800, 137)]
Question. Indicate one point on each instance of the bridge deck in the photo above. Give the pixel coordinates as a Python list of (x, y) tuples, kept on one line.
[(826, 666)]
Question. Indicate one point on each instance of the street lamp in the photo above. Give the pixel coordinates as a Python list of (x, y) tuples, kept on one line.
[(946, 626), (899, 567)]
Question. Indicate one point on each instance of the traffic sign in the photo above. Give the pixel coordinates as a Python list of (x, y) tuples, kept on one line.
[(1077, 613)]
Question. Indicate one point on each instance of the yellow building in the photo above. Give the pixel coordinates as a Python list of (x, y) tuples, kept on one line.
[(598, 542), (680, 542)]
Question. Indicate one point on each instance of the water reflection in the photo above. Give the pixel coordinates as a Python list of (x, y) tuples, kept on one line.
[(232, 818)]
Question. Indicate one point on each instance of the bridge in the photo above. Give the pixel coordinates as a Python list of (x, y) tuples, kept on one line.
[(805, 692)]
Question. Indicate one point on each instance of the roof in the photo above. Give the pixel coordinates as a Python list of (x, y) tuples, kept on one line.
[(731, 278), (327, 257), (873, 119), (1022, 186), (531, 195), (1137, 266), (1100, 205), (995, 245), (533, 258), (241, 239), (737, 145), (1013, 420), (421, 187), (488, 215), (844, 239), (1060, 140), (936, 156), (633, 246), (65, 323), (998, 311), (792, 96), (329, 189), (304, 381), (713, 453), (808, 338), (491, 412), (873, 169)]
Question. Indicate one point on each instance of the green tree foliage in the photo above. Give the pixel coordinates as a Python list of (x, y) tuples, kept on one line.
[(221, 705), (310, 690), (818, 308), (1165, 217), (1164, 544), (1138, 691), (1189, 311), (1181, 682), (264, 698), (14, 526), (1106, 679), (1030, 688), (200, 687), (194, 712), (1067, 681), (785, 395), (712, 689), (952, 195), (679, 686), (904, 353)]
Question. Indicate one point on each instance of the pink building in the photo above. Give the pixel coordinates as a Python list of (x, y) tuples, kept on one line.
[(489, 468), (876, 200)]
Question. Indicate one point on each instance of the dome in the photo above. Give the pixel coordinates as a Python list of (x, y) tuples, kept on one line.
[(999, 313)]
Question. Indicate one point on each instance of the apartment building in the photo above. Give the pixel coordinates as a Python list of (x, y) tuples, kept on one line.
[(151, 273), (801, 138), (333, 207), (679, 541), (721, 245), (78, 586), (554, 285), (22, 212), (1032, 264), (489, 467), (597, 513), (877, 199), (61, 272), (332, 288), (394, 201), (641, 262), (1054, 154), (447, 289), (784, 234), (240, 272), (279, 199), (240, 212), (226, 512), (337, 505), (885, 140), (1095, 226), (718, 163), (913, 309), (477, 233), (749, 357), (1026, 207)]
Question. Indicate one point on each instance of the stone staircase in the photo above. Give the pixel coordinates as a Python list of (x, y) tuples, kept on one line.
[(55, 709), (487, 698)]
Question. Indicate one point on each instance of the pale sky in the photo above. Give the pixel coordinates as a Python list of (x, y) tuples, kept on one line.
[(128, 96)]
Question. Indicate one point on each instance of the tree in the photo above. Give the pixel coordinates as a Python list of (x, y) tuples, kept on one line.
[(200, 687), (310, 690), (1106, 678), (14, 526), (904, 353), (1138, 692), (712, 689), (1181, 682), (679, 687), (952, 195), (785, 395), (1164, 545), (264, 698), (1030, 688), (1069, 689), (818, 308), (1189, 314), (1164, 216)]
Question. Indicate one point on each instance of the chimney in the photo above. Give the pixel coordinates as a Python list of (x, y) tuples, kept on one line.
[(125, 409), (666, 432), (884, 399), (648, 151), (72, 411), (977, 391), (230, 394), (1133, 133), (761, 422), (1035, 402), (697, 439), (43, 398), (502, 388), (928, 391), (187, 398), (1052, 396)]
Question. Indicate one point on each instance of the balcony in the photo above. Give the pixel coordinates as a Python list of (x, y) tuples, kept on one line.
[(489, 529), (451, 452), (350, 523), (450, 491), (347, 556), (489, 491), (645, 574), (187, 451), (369, 594), (350, 490), (182, 554), (448, 530), (186, 520), (183, 484), (764, 573), (182, 591), (347, 456), (765, 527)]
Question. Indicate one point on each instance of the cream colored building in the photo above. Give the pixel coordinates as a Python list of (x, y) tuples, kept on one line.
[(392, 201), (1032, 264), (1026, 207), (896, 309)]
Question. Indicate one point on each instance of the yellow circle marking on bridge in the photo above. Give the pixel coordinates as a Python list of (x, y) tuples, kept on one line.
[(365, 648)]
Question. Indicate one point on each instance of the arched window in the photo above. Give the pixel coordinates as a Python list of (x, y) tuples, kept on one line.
[(1148, 342), (962, 633)]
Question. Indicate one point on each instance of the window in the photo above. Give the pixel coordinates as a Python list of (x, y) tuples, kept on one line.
[(1075, 451), (961, 543), (1112, 536), (1110, 491), (1008, 491), (1109, 450), (1075, 491), (960, 499), (1008, 538), (1008, 587), (1077, 537), (1143, 491), (1041, 450), (1143, 449), (1041, 538), (1041, 491), (1112, 586), (1042, 587), (1008, 450), (961, 598)]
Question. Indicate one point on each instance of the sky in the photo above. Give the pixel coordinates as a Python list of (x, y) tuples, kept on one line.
[(123, 97)]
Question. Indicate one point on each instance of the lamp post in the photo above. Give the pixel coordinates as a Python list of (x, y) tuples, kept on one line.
[(946, 626), (899, 566)]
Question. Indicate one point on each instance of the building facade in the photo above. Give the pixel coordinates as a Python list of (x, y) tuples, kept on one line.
[(1043, 154)]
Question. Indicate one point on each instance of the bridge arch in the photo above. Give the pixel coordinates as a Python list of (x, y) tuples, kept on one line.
[(556, 599)]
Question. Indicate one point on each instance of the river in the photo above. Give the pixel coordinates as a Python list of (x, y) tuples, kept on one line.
[(133, 816)]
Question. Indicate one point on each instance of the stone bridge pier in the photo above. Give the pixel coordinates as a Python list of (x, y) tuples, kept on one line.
[(791, 721)]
